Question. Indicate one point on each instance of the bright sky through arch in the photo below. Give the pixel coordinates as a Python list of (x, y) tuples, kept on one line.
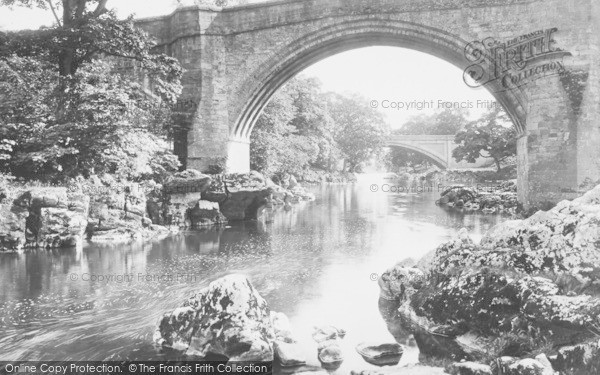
[(377, 73)]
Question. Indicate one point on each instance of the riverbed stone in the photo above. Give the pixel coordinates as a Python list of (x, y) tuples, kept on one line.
[(328, 333), (227, 318), (399, 282), (499, 199), (282, 327), (288, 354), (469, 368), (330, 354)]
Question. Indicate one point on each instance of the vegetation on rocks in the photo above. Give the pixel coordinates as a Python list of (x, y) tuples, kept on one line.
[(500, 198), (527, 291)]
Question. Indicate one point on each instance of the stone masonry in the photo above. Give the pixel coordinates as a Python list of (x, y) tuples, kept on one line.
[(236, 58)]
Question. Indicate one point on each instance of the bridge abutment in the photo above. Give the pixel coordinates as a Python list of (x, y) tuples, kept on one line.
[(236, 58)]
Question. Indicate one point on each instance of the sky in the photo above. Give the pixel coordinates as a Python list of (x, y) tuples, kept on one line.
[(398, 82)]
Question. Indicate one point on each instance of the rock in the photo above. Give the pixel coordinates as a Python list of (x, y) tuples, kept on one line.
[(501, 199), (292, 182), (205, 213), (59, 227), (399, 282), (543, 359), (527, 366), (288, 355), (178, 207), (581, 359), (282, 327), (330, 354), (469, 368), (12, 227), (114, 236), (188, 181), (244, 205), (43, 197), (228, 318), (381, 354), (325, 333), (417, 369)]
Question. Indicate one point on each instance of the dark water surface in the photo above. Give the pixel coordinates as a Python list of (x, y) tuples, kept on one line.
[(316, 263)]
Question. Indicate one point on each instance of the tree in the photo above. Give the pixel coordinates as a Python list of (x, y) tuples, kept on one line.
[(282, 140), (402, 158), (360, 131), (444, 122), (110, 129), (72, 106), (85, 30), (490, 136)]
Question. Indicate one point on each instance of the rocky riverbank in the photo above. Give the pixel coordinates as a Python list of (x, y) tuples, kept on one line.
[(105, 210), (499, 198), (524, 301)]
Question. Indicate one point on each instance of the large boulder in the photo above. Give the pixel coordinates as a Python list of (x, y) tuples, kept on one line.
[(228, 318), (528, 285), (399, 282), (44, 217), (580, 359), (188, 181)]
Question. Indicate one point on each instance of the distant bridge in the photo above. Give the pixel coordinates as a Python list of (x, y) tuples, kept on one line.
[(437, 148)]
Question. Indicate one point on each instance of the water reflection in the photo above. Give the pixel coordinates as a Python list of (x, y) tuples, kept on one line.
[(314, 262)]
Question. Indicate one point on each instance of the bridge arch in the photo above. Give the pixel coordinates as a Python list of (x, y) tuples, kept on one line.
[(435, 159), (344, 36), (236, 58)]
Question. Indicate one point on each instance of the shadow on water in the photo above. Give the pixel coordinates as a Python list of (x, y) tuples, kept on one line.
[(315, 262)]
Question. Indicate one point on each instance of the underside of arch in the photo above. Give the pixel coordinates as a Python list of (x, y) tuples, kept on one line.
[(443, 164), (306, 51)]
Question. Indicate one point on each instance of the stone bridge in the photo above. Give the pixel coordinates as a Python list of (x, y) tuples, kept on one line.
[(539, 58), (437, 148)]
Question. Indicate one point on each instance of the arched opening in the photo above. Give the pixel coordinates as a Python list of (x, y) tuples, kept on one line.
[(435, 159), (306, 51)]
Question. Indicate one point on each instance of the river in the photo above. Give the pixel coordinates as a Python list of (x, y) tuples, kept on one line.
[(317, 263)]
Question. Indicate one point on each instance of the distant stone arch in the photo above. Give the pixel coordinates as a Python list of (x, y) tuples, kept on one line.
[(236, 58)]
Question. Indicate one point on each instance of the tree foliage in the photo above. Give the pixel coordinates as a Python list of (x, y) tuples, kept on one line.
[(303, 129), (401, 158), (444, 122), (104, 109), (69, 107), (281, 141), (85, 30), (360, 131), (490, 136)]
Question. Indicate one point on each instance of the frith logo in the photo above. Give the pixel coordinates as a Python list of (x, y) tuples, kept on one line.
[(515, 62)]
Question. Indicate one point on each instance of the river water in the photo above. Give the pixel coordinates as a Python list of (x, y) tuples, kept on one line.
[(316, 263)]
